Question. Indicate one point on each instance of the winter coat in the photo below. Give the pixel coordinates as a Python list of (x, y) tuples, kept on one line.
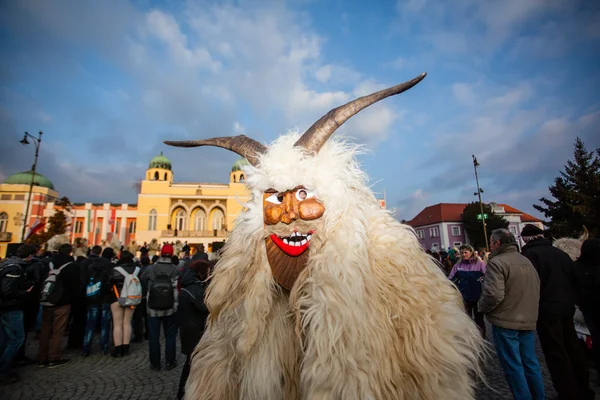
[(511, 290), (468, 275), (100, 269), (192, 312), (13, 284), (70, 278), (163, 266), (555, 268), (117, 279), (587, 287)]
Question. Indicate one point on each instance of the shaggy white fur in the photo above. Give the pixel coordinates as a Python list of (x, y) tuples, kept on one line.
[(572, 246), (370, 317)]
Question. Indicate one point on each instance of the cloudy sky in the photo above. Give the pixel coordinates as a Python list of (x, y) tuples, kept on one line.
[(513, 82)]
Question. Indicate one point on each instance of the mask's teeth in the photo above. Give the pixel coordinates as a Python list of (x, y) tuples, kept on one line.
[(303, 242), (285, 241)]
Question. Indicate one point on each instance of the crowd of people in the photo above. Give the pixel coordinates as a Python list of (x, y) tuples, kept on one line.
[(534, 289), (130, 298)]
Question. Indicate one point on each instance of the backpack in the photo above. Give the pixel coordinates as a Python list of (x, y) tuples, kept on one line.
[(161, 294), (53, 289), (4, 269), (131, 293)]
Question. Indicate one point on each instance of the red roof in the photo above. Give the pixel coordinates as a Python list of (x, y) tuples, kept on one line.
[(452, 212)]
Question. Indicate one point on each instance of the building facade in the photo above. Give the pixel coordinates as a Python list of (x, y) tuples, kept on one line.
[(440, 226)]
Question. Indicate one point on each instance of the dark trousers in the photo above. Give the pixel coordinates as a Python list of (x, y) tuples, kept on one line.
[(170, 326), (54, 325), (78, 322), (185, 372), (12, 335), (592, 320), (471, 308), (565, 357), (140, 322), (30, 312)]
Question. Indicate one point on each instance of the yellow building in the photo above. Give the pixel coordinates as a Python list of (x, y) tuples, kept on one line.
[(14, 194), (187, 211)]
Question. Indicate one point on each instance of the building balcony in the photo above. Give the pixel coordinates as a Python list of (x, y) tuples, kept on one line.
[(221, 233), (5, 236)]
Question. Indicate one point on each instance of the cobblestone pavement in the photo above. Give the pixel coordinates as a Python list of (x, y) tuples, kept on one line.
[(105, 378)]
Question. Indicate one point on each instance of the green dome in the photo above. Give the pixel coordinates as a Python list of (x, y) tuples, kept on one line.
[(239, 164), (160, 161), (24, 178)]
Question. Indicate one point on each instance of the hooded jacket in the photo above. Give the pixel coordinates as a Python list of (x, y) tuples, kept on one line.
[(99, 268), (70, 278), (192, 312)]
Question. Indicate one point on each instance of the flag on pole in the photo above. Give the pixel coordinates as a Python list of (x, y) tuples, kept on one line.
[(35, 228), (111, 221)]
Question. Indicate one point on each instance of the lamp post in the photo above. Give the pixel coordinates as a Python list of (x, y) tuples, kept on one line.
[(36, 141), (478, 193)]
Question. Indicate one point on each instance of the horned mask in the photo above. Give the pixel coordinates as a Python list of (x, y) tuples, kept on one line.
[(293, 215)]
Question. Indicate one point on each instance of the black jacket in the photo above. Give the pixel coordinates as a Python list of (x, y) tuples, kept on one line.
[(69, 277), (13, 284), (117, 279), (192, 312), (556, 272), (99, 268), (587, 287)]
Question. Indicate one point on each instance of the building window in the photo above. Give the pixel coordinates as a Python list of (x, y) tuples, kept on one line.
[(78, 226), (165, 176), (156, 175), (421, 234), (3, 222), (242, 179), (199, 219), (513, 230), (434, 232), (132, 227), (152, 220), (180, 220), (457, 244), (435, 247), (6, 197), (19, 197), (117, 226), (218, 219), (456, 231)]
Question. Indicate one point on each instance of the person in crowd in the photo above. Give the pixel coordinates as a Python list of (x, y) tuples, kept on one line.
[(587, 287), (160, 285), (99, 295), (192, 313), (140, 319), (565, 358), (155, 258), (14, 288), (468, 275), (56, 310), (78, 308), (509, 300), (121, 314), (36, 272)]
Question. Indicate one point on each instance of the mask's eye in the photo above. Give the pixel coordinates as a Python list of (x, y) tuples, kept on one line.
[(303, 194), (275, 198)]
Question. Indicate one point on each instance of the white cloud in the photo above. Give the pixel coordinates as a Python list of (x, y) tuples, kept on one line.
[(463, 92), (238, 129)]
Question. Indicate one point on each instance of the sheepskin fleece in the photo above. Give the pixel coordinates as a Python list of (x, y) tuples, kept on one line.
[(571, 246), (371, 317)]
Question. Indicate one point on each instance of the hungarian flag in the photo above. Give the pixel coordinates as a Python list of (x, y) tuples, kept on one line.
[(35, 228), (111, 221)]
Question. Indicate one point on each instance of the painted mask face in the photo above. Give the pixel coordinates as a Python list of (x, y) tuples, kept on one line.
[(288, 215)]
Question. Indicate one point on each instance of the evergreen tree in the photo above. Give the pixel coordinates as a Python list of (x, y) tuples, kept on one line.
[(474, 227), (577, 194)]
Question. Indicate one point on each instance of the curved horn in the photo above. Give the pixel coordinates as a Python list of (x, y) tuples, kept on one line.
[(241, 144), (321, 130)]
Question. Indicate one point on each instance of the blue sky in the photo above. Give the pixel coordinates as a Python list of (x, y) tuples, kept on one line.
[(513, 82)]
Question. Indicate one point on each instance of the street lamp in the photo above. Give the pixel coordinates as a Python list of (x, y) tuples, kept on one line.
[(36, 141), (478, 193)]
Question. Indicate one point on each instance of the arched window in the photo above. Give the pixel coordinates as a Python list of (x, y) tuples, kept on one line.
[(3, 222), (218, 219), (242, 179), (155, 175), (199, 220), (165, 176), (180, 220), (233, 178), (152, 220)]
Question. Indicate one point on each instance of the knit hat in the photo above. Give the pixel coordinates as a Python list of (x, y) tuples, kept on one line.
[(531, 230), (167, 250)]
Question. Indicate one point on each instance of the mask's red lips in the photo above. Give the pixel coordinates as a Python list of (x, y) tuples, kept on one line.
[(293, 245)]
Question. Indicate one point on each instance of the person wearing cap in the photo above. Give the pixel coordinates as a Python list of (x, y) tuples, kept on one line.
[(564, 356), (166, 315)]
